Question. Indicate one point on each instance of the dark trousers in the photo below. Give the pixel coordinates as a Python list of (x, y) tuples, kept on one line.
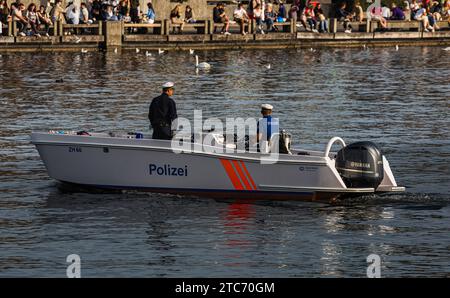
[(134, 14), (22, 26), (162, 133)]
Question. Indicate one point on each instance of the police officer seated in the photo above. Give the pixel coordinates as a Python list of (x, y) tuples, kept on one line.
[(267, 127), (162, 113)]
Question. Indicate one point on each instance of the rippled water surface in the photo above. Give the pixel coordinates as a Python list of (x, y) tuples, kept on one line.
[(399, 99)]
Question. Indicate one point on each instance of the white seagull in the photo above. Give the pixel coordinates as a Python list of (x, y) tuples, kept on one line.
[(191, 51), (268, 66), (147, 54), (115, 50), (447, 49), (84, 51), (396, 47), (160, 51), (203, 65), (137, 50)]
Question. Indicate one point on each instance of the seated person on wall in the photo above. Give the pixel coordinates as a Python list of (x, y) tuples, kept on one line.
[(396, 12), (175, 18), (32, 18), (150, 17), (293, 12), (446, 11), (311, 18), (323, 23), (4, 14), (436, 10), (344, 16), (422, 16), (219, 16), (17, 16), (359, 12), (251, 5), (108, 13), (135, 10), (123, 9), (303, 18), (269, 18), (57, 12), (189, 15), (44, 19), (406, 10), (432, 20), (376, 15), (72, 14), (282, 13), (84, 14), (258, 16), (414, 7), (241, 17), (385, 12)]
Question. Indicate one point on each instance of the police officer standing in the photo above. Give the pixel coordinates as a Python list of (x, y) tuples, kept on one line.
[(162, 112)]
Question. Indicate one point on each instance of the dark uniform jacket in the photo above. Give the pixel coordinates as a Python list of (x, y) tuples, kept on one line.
[(162, 111)]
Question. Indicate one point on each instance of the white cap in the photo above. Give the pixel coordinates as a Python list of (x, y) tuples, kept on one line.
[(168, 85), (266, 106)]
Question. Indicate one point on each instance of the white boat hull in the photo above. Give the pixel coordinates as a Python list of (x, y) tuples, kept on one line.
[(151, 165)]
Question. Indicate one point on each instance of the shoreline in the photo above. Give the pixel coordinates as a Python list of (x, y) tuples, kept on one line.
[(236, 41)]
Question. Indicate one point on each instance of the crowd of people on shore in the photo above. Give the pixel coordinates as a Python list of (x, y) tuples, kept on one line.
[(307, 14), (428, 12)]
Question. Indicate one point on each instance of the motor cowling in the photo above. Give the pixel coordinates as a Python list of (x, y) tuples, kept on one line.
[(360, 165)]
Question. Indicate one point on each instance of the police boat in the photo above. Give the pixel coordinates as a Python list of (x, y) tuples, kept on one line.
[(132, 161)]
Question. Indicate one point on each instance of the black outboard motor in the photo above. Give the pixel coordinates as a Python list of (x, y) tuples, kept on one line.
[(360, 165)]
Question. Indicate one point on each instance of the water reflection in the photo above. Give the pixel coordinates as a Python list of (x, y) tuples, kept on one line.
[(354, 93)]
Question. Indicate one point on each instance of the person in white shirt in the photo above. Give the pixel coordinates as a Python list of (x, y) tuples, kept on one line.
[(421, 16), (32, 18), (241, 17), (84, 14), (385, 12), (73, 14), (407, 10), (258, 15), (18, 17)]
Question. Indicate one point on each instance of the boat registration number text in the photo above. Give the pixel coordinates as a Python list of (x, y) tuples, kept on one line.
[(75, 149)]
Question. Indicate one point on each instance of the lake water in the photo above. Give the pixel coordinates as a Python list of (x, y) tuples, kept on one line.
[(398, 99)]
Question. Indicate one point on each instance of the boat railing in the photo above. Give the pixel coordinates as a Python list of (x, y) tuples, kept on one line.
[(330, 144)]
